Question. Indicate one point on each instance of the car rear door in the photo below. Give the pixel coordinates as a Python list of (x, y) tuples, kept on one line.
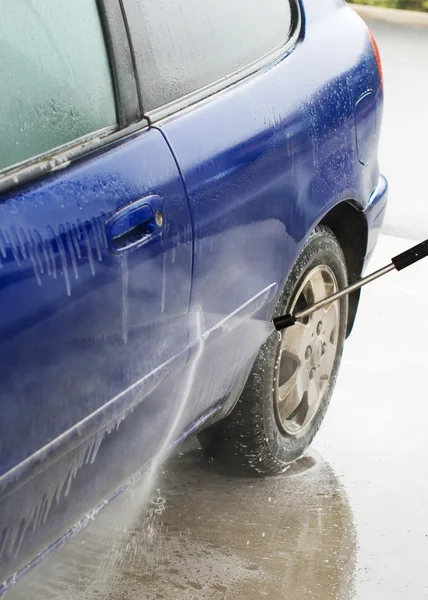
[(95, 257), (206, 84)]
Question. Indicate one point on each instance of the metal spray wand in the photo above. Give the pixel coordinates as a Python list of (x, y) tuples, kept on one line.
[(400, 262)]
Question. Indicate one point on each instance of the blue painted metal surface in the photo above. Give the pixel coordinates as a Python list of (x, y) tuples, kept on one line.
[(107, 357), (85, 334)]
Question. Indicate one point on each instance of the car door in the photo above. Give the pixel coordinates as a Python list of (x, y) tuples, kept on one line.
[(95, 256), (212, 81)]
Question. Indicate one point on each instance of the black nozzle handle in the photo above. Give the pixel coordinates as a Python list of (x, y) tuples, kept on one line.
[(283, 322), (407, 258)]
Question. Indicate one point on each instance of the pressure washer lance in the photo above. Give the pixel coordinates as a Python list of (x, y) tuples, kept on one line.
[(399, 263)]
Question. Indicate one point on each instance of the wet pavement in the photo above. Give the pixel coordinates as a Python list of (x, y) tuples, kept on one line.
[(210, 535), (350, 520)]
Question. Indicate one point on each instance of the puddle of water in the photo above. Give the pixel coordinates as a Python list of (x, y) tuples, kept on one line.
[(207, 535)]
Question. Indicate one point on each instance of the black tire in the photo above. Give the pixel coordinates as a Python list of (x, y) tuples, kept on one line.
[(251, 437)]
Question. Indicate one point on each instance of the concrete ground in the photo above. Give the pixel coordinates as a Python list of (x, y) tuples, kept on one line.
[(350, 520)]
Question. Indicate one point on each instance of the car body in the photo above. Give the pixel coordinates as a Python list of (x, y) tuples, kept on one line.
[(152, 206)]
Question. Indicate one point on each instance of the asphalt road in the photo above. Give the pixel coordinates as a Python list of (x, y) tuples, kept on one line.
[(348, 521)]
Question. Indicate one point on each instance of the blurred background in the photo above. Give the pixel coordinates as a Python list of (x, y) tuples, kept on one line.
[(403, 4)]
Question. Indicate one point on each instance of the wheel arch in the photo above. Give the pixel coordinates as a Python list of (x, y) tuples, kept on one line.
[(349, 225)]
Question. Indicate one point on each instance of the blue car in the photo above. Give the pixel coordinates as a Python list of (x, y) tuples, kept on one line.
[(173, 174)]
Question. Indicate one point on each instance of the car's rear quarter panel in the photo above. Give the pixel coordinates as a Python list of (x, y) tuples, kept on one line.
[(338, 52), (338, 41)]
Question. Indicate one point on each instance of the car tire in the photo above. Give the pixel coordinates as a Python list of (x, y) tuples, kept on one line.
[(276, 418)]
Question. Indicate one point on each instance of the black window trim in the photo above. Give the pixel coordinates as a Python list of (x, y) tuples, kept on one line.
[(127, 104), (121, 61), (269, 59)]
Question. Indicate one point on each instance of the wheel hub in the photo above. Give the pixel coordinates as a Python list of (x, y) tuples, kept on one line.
[(307, 353)]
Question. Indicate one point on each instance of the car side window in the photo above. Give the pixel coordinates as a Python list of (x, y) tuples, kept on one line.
[(55, 80), (184, 45)]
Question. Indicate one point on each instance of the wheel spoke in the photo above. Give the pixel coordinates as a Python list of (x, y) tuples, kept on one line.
[(328, 359), (317, 287), (288, 386), (290, 403), (331, 321), (313, 392), (293, 340)]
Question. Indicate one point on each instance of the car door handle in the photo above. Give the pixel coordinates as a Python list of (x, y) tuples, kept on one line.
[(135, 225)]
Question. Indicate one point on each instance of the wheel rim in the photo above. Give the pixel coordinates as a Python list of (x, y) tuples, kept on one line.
[(307, 353)]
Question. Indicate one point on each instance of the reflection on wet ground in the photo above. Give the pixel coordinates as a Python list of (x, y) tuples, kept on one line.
[(210, 535)]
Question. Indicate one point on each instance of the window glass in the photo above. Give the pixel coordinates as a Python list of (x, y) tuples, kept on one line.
[(55, 81), (184, 45)]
